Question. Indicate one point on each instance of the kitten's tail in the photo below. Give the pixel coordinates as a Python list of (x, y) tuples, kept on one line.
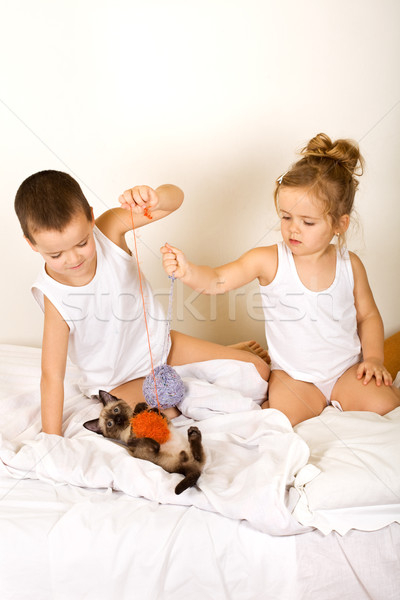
[(188, 481)]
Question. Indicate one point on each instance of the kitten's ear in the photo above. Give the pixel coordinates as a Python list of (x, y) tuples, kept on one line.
[(93, 425), (106, 397)]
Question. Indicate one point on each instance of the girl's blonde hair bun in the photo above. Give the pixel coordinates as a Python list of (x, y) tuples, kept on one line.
[(346, 152)]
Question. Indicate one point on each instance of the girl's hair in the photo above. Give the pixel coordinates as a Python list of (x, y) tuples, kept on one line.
[(328, 170), (49, 200)]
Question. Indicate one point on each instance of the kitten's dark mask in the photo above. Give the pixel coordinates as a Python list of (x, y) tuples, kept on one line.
[(114, 417)]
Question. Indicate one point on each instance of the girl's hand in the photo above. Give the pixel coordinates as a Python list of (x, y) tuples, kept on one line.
[(174, 261), (372, 367), (140, 198)]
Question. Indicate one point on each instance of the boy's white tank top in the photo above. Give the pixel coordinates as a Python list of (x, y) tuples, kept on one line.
[(108, 339), (312, 336)]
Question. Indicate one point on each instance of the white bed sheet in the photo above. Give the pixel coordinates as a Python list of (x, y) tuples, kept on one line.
[(352, 480), (336, 472), (59, 540), (252, 455)]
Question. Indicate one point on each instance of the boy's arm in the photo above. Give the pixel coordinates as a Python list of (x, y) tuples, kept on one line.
[(148, 205), (258, 263), (370, 328), (54, 360)]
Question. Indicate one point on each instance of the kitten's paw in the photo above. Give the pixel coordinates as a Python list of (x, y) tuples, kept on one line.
[(151, 444), (194, 433), (194, 437), (140, 407), (137, 445), (157, 411)]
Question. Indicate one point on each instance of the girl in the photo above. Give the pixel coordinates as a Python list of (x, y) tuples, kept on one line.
[(324, 331)]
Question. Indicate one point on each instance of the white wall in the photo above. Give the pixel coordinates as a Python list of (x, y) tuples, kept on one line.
[(215, 96)]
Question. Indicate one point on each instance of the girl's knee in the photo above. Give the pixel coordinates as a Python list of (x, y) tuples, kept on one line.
[(388, 401), (372, 398)]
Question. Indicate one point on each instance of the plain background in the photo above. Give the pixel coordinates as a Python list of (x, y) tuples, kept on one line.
[(216, 96)]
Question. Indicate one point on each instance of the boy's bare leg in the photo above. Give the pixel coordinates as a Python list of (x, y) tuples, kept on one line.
[(132, 393), (298, 400), (254, 347), (186, 349)]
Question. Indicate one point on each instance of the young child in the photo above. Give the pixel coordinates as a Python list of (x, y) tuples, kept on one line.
[(324, 331), (89, 292)]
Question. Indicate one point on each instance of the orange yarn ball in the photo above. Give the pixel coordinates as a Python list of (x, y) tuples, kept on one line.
[(151, 425)]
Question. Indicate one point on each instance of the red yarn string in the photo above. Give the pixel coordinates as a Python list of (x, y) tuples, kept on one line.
[(144, 306)]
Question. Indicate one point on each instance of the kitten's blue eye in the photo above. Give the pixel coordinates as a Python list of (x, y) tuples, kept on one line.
[(110, 424), (116, 409)]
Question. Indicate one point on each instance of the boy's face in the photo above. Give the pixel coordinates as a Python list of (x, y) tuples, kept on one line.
[(70, 254)]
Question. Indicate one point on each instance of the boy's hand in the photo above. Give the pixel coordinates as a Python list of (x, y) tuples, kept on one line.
[(372, 367), (174, 261), (140, 198)]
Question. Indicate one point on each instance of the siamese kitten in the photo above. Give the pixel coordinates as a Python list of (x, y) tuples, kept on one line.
[(177, 455)]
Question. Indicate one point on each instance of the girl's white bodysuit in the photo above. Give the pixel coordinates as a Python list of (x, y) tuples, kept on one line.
[(312, 336), (107, 337)]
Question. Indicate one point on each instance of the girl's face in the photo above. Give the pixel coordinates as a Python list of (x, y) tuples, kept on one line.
[(305, 228), (70, 254)]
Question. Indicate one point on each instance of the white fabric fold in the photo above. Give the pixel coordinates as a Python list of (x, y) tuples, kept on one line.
[(338, 471), (252, 455)]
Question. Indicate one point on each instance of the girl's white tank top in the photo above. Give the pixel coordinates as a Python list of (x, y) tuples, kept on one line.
[(312, 336)]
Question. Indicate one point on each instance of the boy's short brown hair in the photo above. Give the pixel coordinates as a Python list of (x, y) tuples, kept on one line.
[(49, 200)]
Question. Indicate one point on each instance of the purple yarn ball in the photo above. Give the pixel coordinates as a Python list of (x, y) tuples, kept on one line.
[(170, 387)]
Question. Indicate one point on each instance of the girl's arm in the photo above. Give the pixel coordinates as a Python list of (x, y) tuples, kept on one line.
[(54, 360), (258, 263), (370, 328), (147, 204)]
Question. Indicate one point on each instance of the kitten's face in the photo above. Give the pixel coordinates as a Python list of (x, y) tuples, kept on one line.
[(114, 418)]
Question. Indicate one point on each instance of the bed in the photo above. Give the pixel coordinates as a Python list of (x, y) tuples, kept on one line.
[(280, 514)]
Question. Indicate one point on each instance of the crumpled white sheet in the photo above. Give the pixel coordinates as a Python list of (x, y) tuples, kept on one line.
[(352, 480), (252, 455), (258, 469)]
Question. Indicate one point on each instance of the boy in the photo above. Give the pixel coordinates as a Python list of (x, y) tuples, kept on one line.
[(89, 292)]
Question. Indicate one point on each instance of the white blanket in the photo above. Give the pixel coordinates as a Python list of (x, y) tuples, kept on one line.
[(252, 455), (337, 471)]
